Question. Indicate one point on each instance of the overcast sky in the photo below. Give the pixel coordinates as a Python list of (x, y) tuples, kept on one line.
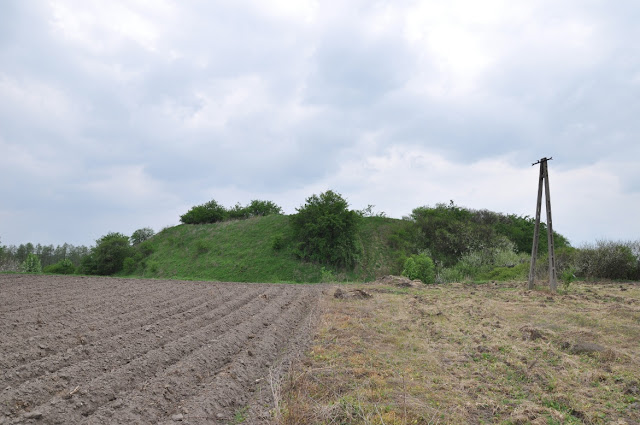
[(117, 115)]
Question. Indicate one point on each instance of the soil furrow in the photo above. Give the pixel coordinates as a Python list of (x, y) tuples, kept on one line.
[(251, 348), (220, 338), (62, 337), (75, 294), (74, 299), (90, 361), (112, 340), (148, 349), (232, 388)]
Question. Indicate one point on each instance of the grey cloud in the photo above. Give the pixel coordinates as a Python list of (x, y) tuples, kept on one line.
[(314, 92)]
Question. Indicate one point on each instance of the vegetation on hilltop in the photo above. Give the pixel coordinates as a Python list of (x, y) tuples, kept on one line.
[(326, 241), (213, 212)]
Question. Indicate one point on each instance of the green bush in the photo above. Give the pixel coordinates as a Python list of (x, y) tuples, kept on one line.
[(210, 212), (262, 208), (61, 267), (129, 265), (450, 274), (518, 272), (238, 212), (31, 264), (88, 264), (277, 243), (607, 260), (420, 267), (326, 230), (146, 248)]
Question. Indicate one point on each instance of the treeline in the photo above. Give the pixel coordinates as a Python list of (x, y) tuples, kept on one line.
[(12, 257)]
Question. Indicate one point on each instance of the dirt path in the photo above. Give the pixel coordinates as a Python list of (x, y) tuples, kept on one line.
[(105, 350)]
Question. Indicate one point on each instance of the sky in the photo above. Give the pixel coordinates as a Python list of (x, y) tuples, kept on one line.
[(120, 115)]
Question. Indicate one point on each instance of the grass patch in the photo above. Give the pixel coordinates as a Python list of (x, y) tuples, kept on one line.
[(259, 249), (454, 353)]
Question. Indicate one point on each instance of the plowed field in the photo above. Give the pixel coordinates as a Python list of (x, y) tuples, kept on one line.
[(104, 350)]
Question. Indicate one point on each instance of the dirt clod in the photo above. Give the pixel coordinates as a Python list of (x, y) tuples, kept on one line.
[(530, 333), (357, 294), (36, 414), (400, 281)]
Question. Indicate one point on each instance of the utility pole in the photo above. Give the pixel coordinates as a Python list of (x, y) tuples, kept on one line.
[(544, 178)]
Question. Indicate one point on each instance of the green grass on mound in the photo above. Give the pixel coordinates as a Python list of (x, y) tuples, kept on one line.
[(243, 251)]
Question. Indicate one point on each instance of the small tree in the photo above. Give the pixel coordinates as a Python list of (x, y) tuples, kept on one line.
[(141, 235), (31, 264), (211, 212), (326, 230)]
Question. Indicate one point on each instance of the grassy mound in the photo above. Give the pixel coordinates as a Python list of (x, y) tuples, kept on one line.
[(259, 249)]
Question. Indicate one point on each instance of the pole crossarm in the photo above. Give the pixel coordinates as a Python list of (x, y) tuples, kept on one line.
[(543, 182)]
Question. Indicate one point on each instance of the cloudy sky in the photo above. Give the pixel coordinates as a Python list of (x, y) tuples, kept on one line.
[(123, 114)]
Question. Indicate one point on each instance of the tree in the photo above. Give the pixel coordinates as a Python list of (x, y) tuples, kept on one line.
[(109, 254), (326, 230), (31, 264), (141, 235), (210, 212)]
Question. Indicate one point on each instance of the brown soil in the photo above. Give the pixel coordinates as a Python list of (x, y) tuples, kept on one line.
[(105, 350)]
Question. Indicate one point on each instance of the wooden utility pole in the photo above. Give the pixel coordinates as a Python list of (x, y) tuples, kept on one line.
[(544, 178)]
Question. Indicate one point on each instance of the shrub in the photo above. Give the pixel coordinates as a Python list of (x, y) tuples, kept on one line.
[(567, 277), (238, 212), (262, 208), (130, 264), (61, 267), (607, 260), (450, 274), (31, 264), (146, 248), (326, 230), (277, 243), (518, 272), (211, 212), (141, 235), (420, 267)]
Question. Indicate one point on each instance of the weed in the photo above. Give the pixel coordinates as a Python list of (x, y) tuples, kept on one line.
[(240, 415)]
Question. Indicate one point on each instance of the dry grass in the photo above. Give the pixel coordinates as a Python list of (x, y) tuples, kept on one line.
[(493, 353)]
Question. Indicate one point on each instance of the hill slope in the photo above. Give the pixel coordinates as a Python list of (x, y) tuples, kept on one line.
[(243, 251), (464, 244)]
